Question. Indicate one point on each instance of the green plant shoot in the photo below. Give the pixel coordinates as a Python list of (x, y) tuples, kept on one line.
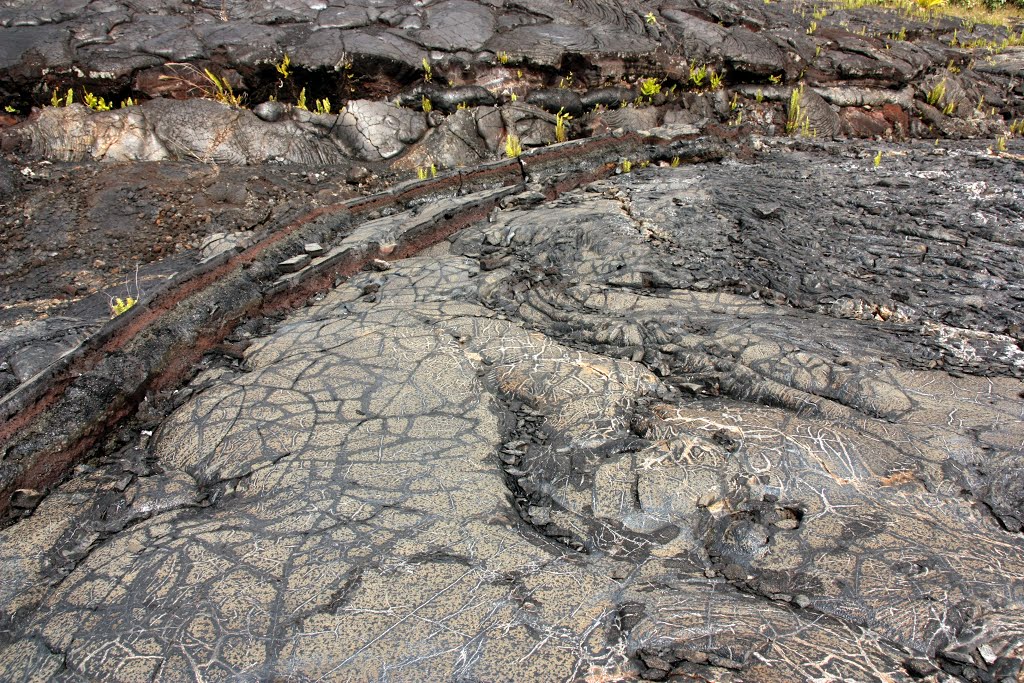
[(119, 305), (282, 66), (561, 119), (513, 146)]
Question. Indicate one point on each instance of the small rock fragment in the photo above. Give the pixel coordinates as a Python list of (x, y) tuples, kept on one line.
[(766, 210), (920, 667), (734, 572), (539, 515), (26, 499), (269, 111), (294, 264), (958, 656), (357, 174), (654, 662)]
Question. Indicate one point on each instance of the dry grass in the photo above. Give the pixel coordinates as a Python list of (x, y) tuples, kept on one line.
[(205, 84), (973, 11)]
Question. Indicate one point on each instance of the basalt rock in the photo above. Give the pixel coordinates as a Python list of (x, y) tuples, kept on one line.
[(382, 45), (685, 421), (557, 100), (606, 97), (813, 114), (213, 132), (456, 142), (468, 54), (691, 400), (447, 99)]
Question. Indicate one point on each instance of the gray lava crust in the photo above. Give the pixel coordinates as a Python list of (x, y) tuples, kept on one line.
[(602, 437), (680, 398)]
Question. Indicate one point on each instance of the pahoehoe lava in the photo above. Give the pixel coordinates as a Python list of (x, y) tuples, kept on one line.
[(713, 390)]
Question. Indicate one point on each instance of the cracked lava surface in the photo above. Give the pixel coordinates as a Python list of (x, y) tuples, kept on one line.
[(626, 434)]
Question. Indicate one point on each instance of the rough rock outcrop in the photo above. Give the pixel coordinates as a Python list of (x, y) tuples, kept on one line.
[(213, 132), (356, 50)]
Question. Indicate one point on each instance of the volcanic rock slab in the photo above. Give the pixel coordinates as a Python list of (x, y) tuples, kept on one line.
[(681, 422), (211, 132)]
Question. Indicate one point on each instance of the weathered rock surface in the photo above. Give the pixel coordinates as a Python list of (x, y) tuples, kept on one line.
[(462, 52), (78, 235), (212, 132), (757, 420), (727, 421)]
